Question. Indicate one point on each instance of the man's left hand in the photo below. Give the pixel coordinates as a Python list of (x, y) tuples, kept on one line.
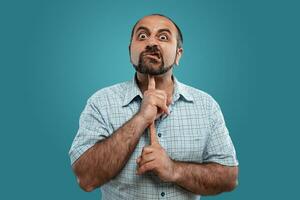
[(155, 158)]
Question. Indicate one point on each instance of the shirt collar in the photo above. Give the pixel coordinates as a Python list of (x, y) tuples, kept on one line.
[(133, 91), (181, 91)]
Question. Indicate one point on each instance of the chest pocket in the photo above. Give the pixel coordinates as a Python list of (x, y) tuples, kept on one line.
[(184, 144)]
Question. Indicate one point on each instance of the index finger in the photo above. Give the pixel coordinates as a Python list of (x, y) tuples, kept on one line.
[(151, 82), (153, 137)]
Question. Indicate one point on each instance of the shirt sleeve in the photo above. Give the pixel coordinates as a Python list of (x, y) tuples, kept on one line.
[(93, 127), (219, 147)]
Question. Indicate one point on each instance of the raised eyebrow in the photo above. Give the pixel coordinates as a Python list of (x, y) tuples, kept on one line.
[(164, 30), (142, 28)]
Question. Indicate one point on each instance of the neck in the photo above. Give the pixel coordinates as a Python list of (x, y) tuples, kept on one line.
[(162, 82)]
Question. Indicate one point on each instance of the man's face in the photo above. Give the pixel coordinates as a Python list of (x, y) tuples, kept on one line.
[(153, 47)]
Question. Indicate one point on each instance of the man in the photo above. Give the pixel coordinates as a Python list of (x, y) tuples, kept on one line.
[(188, 152)]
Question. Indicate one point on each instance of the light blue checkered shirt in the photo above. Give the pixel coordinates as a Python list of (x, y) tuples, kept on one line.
[(194, 131)]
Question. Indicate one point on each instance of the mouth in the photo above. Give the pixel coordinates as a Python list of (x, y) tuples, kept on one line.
[(153, 55)]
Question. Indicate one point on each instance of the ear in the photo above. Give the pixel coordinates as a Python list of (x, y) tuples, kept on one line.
[(179, 53), (129, 50)]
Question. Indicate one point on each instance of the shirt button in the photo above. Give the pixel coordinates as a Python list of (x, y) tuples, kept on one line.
[(162, 194), (159, 134)]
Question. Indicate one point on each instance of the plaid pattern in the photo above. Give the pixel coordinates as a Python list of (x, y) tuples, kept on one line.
[(194, 131)]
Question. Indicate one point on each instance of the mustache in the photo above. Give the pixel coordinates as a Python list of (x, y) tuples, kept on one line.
[(152, 50)]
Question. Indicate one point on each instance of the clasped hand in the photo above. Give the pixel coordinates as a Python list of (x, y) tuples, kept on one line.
[(154, 157)]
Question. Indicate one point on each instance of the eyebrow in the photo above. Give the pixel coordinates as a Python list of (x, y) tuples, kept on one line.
[(142, 28), (159, 31), (164, 30)]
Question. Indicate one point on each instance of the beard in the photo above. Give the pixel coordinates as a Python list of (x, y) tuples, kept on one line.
[(152, 66)]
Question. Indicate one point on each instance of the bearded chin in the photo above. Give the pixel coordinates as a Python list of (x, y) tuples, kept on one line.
[(149, 66)]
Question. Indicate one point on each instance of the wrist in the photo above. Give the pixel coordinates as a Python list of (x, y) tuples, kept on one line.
[(177, 170), (141, 120)]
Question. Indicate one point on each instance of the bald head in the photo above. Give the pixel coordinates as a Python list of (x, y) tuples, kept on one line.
[(178, 36)]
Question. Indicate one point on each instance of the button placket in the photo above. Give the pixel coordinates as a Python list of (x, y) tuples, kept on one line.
[(158, 132)]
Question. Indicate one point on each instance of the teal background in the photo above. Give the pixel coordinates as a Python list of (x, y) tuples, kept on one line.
[(55, 54)]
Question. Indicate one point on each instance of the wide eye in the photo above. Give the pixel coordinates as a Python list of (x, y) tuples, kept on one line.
[(142, 36), (163, 37)]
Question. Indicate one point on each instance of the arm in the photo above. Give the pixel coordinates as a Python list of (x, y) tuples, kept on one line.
[(215, 174), (106, 158), (205, 179)]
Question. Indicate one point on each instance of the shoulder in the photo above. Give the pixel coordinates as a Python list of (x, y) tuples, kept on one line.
[(198, 95), (111, 93)]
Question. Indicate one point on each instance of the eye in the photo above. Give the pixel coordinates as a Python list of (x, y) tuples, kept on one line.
[(142, 36), (163, 37)]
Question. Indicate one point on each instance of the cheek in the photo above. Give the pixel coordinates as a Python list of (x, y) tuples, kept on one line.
[(135, 53), (170, 54)]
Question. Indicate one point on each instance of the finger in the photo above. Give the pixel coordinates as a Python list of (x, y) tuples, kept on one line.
[(161, 92), (146, 167), (157, 95), (163, 98), (160, 102), (162, 95), (146, 158), (138, 160), (151, 85), (169, 101), (151, 82), (147, 149), (162, 105), (153, 137)]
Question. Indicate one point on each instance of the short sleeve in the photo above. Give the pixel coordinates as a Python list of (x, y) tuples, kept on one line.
[(219, 147), (93, 127)]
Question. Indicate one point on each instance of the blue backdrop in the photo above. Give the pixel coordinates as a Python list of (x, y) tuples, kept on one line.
[(55, 54)]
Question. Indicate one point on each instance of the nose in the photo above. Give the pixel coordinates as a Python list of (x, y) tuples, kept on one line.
[(152, 44), (152, 41), (152, 47)]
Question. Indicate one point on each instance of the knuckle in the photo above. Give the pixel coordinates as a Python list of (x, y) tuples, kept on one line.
[(146, 149), (148, 93), (146, 167), (164, 93), (153, 166), (150, 98)]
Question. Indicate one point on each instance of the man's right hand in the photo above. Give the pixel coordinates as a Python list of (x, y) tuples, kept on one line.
[(154, 104)]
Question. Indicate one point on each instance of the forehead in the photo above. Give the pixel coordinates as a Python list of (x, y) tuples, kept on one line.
[(155, 23)]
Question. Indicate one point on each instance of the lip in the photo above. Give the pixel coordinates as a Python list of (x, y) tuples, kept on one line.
[(153, 55)]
